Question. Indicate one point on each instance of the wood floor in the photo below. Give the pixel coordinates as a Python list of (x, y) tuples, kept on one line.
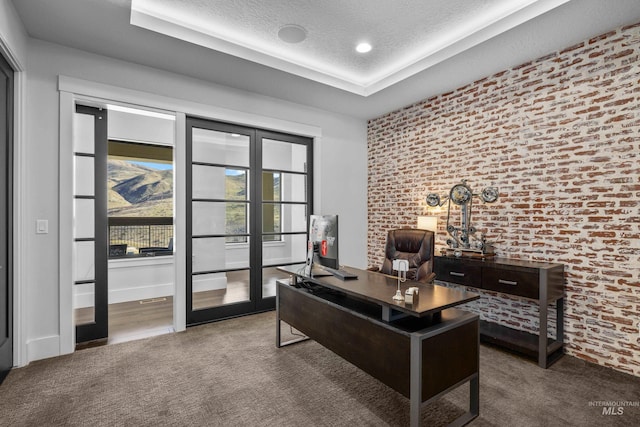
[(237, 289), (132, 320), (140, 319), (135, 320)]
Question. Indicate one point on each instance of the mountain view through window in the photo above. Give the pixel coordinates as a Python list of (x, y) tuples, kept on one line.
[(140, 207), (140, 189)]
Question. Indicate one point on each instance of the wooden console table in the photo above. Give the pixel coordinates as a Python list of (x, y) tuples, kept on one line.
[(421, 350), (539, 281)]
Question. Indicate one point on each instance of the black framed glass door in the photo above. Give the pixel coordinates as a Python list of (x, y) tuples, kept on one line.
[(90, 224), (285, 205), (6, 171), (246, 214)]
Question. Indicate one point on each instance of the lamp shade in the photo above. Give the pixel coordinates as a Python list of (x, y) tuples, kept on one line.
[(428, 223)]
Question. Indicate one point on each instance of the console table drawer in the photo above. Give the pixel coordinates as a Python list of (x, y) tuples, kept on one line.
[(454, 271), (511, 282)]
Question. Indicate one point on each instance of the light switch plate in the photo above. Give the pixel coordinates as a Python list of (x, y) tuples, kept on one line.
[(42, 226)]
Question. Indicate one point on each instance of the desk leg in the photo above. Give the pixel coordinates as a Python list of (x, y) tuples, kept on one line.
[(279, 342), (415, 384), (560, 320), (278, 324), (542, 335), (543, 305), (278, 336), (474, 396)]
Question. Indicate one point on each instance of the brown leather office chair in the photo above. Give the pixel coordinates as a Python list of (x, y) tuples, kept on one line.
[(417, 247)]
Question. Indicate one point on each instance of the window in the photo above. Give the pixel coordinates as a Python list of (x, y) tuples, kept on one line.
[(271, 212), (140, 199), (236, 213), (236, 188)]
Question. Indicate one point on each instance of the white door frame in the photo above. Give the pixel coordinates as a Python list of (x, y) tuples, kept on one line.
[(19, 231), (73, 90)]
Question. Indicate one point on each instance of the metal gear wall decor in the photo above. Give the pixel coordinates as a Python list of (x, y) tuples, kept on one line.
[(463, 238)]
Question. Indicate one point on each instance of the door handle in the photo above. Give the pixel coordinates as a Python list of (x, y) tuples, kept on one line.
[(507, 282), (454, 273)]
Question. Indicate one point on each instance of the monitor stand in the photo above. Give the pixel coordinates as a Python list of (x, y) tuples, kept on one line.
[(317, 271)]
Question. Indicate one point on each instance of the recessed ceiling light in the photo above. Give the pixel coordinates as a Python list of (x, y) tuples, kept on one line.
[(363, 47), (292, 33)]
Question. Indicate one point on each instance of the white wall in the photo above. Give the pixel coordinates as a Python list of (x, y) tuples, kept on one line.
[(132, 279), (340, 179), (139, 128), (13, 38)]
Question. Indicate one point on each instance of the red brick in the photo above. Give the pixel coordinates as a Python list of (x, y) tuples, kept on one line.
[(559, 137)]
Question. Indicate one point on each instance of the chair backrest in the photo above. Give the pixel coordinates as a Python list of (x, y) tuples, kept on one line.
[(416, 246), (117, 250)]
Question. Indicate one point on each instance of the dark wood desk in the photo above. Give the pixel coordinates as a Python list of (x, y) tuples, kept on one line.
[(421, 350)]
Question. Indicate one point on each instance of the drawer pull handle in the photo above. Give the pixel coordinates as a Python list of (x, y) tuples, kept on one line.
[(507, 282), (453, 273)]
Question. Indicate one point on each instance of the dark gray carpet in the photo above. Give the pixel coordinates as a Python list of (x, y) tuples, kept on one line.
[(230, 374)]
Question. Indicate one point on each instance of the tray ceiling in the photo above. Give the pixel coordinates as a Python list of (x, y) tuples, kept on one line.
[(406, 36), (104, 27)]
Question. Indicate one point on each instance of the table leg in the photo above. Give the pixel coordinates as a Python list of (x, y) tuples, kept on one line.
[(278, 325), (415, 385)]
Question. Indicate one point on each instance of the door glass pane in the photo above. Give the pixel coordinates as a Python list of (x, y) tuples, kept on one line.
[(209, 218), (289, 248), (213, 254), (218, 289), (83, 133), (85, 264), (237, 218), (284, 156), (84, 218), (271, 188), (287, 218), (221, 148), (269, 277), (293, 187), (84, 303), (219, 183), (294, 218), (84, 176), (271, 218)]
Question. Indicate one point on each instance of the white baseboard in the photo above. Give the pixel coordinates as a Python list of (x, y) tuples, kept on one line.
[(81, 300), (85, 299), (43, 348), (141, 293), (209, 284)]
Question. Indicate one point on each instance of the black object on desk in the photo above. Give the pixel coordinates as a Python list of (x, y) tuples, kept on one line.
[(409, 347), (321, 271)]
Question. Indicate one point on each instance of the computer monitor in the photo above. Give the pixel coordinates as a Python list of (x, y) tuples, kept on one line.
[(323, 235)]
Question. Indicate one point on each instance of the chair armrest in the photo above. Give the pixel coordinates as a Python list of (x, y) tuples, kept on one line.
[(430, 278)]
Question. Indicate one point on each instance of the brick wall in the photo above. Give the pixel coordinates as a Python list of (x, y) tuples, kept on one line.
[(560, 137)]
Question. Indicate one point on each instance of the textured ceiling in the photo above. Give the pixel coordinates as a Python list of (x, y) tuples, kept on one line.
[(103, 27), (407, 35)]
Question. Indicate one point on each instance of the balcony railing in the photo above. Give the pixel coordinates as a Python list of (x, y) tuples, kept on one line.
[(141, 235)]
